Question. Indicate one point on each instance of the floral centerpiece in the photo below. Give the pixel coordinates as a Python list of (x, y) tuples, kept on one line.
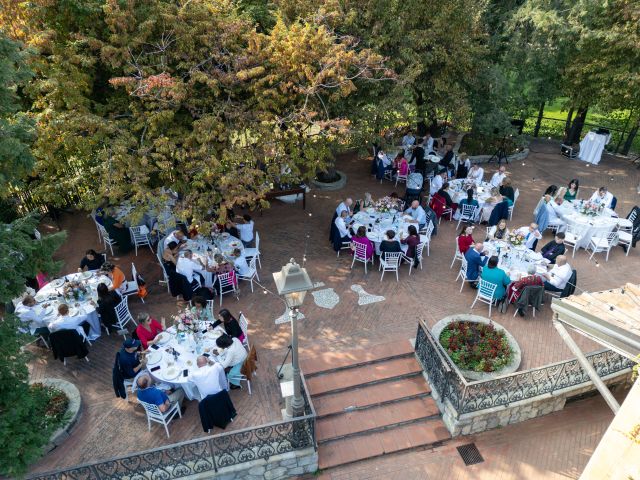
[(516, 238), (591, 209), (478, 347), (186, 321), (387, 204), (74, 291)]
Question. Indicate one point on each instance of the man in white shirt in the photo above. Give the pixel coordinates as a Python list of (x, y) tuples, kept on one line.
[(531, 234), (498, 177), (245, 230), (558, 276), (428, 143), (240, 264), (187, 266), (554, 219), (407, 142), (175, 236), (476, 173), (417, 213), (602, 197), (232, 357), (27, 313), (437, 182), (209, 377), (65, 322), (345, 206), (343, 227)]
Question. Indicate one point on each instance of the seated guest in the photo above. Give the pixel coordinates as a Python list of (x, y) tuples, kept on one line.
[(91, 261), (417, 213), (176, 236), (553, 220), (107, 301), (476, 173), (201, 309), (245, 229), (344, 206), (428, 144), (343, 234), (469, 200), (464, 239), (417, 157), (531, 235), (209, 377), (147, 392), (240, 264), (554, 248), (489, 205), (400, 165), (413, 240), (551, 190), (444, 193), (446, 160), (230, 324), (129, 358), (497, 276), (558, 276), (499, 231), (27, 314), (407, 143), (232, 356), (498, 177), (361, 238), (464, 164), (118, 280), (148, 329), (191, 269), (179, 286), (437, 182), (367, 201), (414, 184), (383, 164), (390, 243), (476, 258), (117, 232), (506, 190), (65, 322), (572, 190), (602, 197), (515, 289)]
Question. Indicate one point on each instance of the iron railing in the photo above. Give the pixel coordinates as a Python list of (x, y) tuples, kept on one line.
[(207, 454), (468, 397)]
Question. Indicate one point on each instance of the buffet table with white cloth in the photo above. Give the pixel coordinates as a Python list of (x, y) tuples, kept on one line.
[(82, 307), (592, 146), (188, 348), (587, 226), (377, 224)]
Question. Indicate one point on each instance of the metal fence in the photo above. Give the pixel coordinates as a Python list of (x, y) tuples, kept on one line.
[(208, 454), (468, 397)]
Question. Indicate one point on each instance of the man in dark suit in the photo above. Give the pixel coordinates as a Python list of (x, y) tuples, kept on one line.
[(476, 258), (554, 248), (448, 157), (418, 157)]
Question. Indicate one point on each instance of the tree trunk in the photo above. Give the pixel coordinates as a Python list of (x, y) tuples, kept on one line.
[(567, 125), (421, 126), (536, 130), (632, 135), (577, 124)]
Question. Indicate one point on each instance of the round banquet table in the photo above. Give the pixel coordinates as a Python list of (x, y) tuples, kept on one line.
[(586, 226), (377, 224), (515, 260), (50, 297), (171, 370), (457, 192), (205, 250)]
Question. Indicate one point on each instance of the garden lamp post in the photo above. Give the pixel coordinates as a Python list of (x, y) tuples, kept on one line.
[(292, 283)]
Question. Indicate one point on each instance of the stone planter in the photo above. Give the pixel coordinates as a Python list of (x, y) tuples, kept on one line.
[(337, 185), (71, 415), (470, 375)]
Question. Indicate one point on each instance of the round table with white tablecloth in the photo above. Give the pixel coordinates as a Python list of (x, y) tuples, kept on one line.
[(584, 226), (515, 260), (168, 368), (82, 307), (205, 250), (377, 224), (458, 191)]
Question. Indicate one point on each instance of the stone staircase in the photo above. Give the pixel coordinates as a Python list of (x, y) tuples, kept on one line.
[(371, 402)]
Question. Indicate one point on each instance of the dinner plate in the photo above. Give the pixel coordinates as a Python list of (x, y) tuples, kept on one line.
[(40, 297), (162, 338), (86, 275), (213, 334), (57, 282), (45, 312), (73, 311), (154, 357), (171, 373)]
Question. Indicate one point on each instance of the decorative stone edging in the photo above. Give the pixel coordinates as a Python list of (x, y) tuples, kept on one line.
[(516, 357), (72, 414), (333, 185)]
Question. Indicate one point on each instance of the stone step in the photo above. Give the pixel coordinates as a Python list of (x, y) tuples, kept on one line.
[(371, 395), (374, 419), (333, 361), (424, 433), (342, 380)]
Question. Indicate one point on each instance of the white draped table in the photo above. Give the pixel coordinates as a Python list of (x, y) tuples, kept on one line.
[(205, 250), (592, 146), (586, 227), (377, 224), (515, 260)]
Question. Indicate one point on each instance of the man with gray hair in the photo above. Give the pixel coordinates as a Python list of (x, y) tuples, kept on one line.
[(188, 267), (149, 393), (209, 377), (515, 289)]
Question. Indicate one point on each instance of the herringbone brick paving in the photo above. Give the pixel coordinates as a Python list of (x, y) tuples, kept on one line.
[(112, 427)]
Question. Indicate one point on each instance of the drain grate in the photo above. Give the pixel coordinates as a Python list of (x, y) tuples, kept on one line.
[(470, 454)]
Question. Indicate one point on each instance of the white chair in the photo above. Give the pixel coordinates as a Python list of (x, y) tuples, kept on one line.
[(253, 273), (626, 224), (254, 252), (139, 239), (462, 274), (165, 277), (457, 255), (241, 378), (227, 285), (128, 384), (425, 235), (130, 287), (486, 291), (625, 238), (419, 249), (390, 262), (360, 255), (155, 415), (446, 211), (571, 237), (244, 326), (468, 214), (92, 215), (516, 194), (401, 178), (345, 246), (106, 238), (124, 315), (602, 244)]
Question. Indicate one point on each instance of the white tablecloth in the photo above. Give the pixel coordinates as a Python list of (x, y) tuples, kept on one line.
[(591, 147), (587, 227), (457, 191), (171, 370), (378, 223), (515, 260), (205, 250), (80, 310)]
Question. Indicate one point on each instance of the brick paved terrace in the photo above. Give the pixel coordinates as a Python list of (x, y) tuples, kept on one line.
[(110, 426)]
